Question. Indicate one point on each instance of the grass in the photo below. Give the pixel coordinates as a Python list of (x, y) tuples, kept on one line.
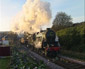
[(4, 63), (75, 55)]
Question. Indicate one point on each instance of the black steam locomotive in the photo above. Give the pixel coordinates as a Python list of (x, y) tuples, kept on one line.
[(47, 41)]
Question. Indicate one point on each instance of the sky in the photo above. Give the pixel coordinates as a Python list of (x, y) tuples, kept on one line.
[(10, 8)]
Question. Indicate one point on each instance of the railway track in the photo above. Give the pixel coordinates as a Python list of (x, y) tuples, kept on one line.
[(63, 63), (38, 57), (69, 64)]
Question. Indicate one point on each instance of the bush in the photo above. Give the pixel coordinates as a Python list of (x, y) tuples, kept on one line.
[(73, 38)]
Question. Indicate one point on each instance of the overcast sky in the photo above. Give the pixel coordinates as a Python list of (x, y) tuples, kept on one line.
[(9, 9)]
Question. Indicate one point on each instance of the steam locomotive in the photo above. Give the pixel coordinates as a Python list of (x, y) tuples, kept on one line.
[(47, 41)]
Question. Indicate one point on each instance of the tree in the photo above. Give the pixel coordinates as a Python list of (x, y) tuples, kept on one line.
[(62, 20)]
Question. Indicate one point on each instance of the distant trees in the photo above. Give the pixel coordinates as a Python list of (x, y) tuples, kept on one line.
[(61, 21)]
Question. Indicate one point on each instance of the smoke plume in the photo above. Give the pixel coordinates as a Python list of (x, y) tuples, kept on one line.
[(35, 13)]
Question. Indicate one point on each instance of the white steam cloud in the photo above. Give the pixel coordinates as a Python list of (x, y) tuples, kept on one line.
[(35, 13)]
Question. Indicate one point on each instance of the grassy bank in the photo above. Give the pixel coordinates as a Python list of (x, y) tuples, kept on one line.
[(73, 38)]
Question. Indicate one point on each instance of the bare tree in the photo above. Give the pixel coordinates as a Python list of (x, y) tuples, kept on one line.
[(62, 20)]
